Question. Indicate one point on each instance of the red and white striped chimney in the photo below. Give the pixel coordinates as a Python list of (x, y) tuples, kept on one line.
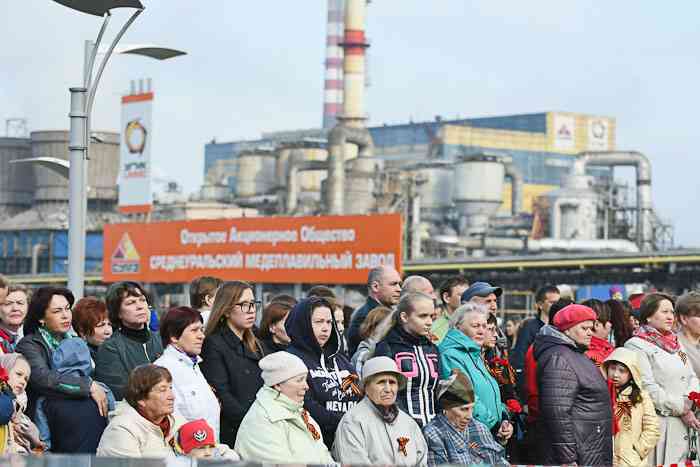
[(333, 87)]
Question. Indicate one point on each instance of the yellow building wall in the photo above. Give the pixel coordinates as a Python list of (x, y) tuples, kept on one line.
[(530, 192), (496, 139)]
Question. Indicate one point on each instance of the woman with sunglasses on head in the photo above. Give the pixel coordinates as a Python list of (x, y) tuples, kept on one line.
[(231, 353)]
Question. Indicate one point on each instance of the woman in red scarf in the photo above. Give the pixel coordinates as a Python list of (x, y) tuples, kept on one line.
[(668, 377)]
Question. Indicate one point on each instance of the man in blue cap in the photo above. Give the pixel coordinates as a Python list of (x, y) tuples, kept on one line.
[(483, 293)]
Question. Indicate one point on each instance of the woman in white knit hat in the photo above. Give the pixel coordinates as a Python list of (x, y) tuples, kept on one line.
[(277, 429)]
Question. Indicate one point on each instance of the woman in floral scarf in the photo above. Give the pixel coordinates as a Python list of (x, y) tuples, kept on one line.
[(668, 377)]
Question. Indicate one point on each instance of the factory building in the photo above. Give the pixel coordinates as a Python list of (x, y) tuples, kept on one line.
[(34, 202), (542, 146)]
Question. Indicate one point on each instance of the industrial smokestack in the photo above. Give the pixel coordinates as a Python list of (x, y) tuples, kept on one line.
[(333, 86), (354, 45)]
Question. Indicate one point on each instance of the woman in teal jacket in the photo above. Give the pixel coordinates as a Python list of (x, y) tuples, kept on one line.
[(461, 349)]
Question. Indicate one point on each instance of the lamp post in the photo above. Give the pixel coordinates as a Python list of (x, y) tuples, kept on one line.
[(82, 99)]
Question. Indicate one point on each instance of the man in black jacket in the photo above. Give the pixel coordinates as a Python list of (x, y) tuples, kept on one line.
[(544, 298), (384, 288)]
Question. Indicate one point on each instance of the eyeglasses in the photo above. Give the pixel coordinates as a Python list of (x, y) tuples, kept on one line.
[(249, 307)]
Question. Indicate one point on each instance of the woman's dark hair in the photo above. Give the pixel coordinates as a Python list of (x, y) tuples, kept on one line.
[(87, 314), (176, 321), (201, 288), (116, 293), (285, 299), (557, 307), (273, 313), (602, 311), (650, 305), (142, 380), (620, 318), (40, 303)]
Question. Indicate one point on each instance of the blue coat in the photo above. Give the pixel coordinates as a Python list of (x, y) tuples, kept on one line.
[(459, 351)]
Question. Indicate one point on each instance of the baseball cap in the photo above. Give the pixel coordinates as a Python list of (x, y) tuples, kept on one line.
[(480, 289), (195, 434)]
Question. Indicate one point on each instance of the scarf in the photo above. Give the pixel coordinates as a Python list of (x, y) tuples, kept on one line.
[(141, 336), (388, 414), (50, 338), (621, 409), (193, 358), (668, 342)]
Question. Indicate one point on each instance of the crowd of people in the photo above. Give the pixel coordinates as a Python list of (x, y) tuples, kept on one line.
[(415, 376)]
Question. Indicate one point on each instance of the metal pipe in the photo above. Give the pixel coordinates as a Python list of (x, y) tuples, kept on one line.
[(338, 138), (297, 165), (534, 246), (76, 182), (516, 188), (643, 167)]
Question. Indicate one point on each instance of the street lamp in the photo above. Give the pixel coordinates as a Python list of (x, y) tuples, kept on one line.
[(82, 99)]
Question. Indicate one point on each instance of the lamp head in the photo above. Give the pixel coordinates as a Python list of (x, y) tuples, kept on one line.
[(99, 7)]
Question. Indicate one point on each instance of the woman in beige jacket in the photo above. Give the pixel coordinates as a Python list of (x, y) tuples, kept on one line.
[(636, 423), (668, 377)]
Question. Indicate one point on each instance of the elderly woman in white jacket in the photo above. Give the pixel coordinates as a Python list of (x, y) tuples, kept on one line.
[(182, 333), (376, 431), (145, 423), (668, 377)]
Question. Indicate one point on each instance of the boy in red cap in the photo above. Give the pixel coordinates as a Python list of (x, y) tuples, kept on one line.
[(197, 439)]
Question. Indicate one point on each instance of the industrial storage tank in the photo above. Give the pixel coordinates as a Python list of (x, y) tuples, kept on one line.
[(478, 192), (16, 180), (574, 209), (103, 166), (436, 190), (255, 174)]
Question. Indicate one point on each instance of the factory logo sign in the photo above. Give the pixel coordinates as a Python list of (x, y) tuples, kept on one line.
[(564, 131), (598, 134), (135, 194), (275, 250), (125, 259), (135, 137)]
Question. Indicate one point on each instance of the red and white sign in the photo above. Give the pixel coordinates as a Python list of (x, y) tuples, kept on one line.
[(286, 250)]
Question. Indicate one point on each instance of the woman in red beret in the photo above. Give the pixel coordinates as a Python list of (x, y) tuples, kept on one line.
[(575, 408)]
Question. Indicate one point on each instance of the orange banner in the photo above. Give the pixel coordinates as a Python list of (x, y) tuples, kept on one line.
[(282, 250)]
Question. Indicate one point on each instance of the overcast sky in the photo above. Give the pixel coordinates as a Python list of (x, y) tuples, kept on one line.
[(258, 66)]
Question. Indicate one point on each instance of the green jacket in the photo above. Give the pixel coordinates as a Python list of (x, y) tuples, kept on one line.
[(441, 326), (459, 351), (119, 355), (274, 431)]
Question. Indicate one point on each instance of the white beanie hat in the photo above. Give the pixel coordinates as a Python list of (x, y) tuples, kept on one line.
[(280, 366)]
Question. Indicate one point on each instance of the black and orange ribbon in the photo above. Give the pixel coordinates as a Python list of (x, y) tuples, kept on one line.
[(350, 382), (310, 426), (403, 441)]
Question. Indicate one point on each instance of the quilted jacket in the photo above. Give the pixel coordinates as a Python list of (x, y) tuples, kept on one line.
[(574, 403)]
